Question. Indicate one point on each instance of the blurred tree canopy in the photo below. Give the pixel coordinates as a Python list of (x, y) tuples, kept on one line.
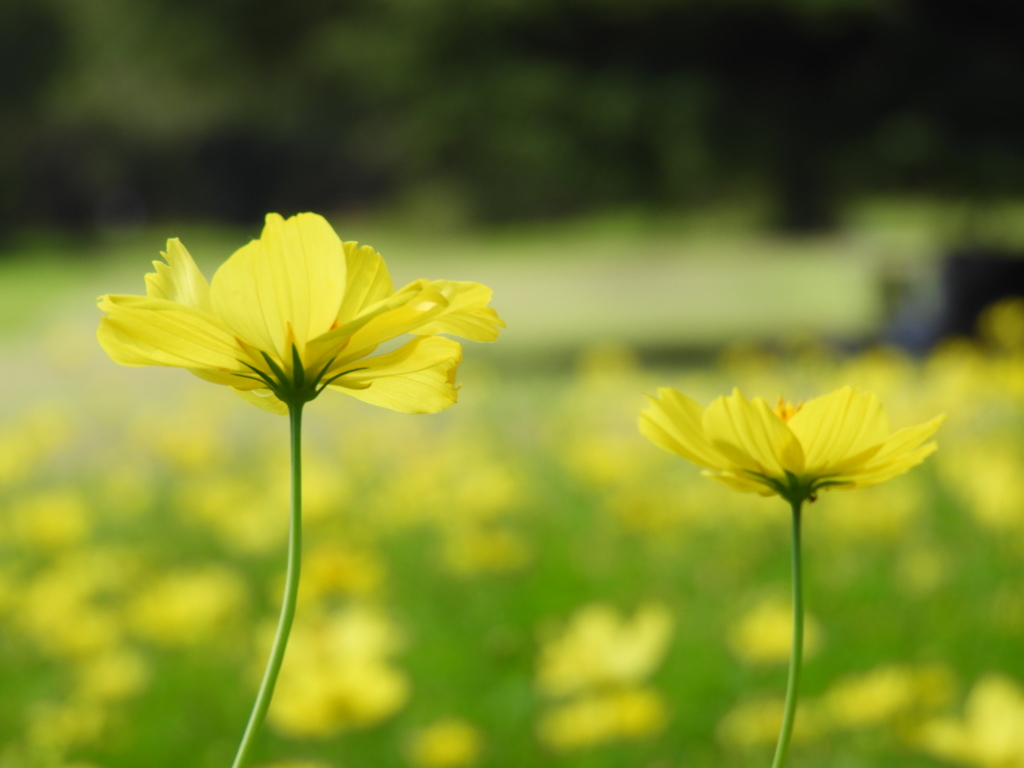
[(114, 110)]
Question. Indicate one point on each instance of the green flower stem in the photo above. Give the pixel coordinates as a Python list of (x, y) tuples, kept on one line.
[(797, 653), (291, 593)]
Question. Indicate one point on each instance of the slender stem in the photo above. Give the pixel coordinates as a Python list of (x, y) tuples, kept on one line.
[(797, 653), (291, 592)]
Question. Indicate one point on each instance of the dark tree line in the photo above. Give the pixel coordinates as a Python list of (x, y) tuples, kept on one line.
[(114, 109)]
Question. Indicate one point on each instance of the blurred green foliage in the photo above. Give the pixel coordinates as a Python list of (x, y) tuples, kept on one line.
[(112, 111), (525, 563), (520, 580)]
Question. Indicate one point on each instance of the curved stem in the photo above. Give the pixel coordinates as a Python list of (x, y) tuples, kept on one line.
[(797, 653), (291, 592)]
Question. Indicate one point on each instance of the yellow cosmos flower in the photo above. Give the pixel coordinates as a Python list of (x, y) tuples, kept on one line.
[(839, 440), (298, 311), (285, 317)]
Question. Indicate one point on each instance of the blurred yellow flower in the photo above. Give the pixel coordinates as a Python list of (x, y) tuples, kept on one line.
[(600, 648), (921, 569), (190, 441), (112, 676), (991, 732), (886, 693), (250, 528), (893, 695), (51, 519), (70, 608), (839, 440), (756, 723), (1002, 324), (593, 719), (986, 474), (188, 607), (881, 513), (764, 634), (460, 485), (331, 569), (870, 699), (25, 442), (485, 549), (599, 663), (448, 743), (296, 311), (337, 675), (601, 460)]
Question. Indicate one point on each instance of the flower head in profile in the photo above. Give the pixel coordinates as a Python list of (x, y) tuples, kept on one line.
[(448, 743), (295, 312), (839, 440)]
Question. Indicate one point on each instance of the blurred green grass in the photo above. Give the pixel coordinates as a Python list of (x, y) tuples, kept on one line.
[(552, 463), (141, 541)]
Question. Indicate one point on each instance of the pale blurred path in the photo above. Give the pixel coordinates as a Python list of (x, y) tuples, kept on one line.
[(559, 290), (676, 303)]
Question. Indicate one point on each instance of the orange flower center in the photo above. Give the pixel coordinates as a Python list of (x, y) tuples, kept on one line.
[(785, 410)]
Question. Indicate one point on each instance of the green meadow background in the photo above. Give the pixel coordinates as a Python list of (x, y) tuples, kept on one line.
[(700, 194), (522, 579)]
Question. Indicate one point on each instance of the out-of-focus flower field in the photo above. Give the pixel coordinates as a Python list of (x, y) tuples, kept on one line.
[(520, 580)]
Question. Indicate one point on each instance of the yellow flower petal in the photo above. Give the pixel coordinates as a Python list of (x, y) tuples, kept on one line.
[(879, 473), (674, 422), (740, 483), (746, 445), (467, 314), (227, 378), (330, 345), (419, 377), (367, 281), (263, 398), (179, 279), (420, 307), (749, 434), (844, 427), (284, 288), (902, 451), (906, 440), (142, 331)]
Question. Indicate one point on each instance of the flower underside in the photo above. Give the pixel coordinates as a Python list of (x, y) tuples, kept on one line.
[(295, 388), (296, 312), (840, 440)]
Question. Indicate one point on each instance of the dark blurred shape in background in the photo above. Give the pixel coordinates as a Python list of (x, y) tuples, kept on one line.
[(972, 281), (115, 111)]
